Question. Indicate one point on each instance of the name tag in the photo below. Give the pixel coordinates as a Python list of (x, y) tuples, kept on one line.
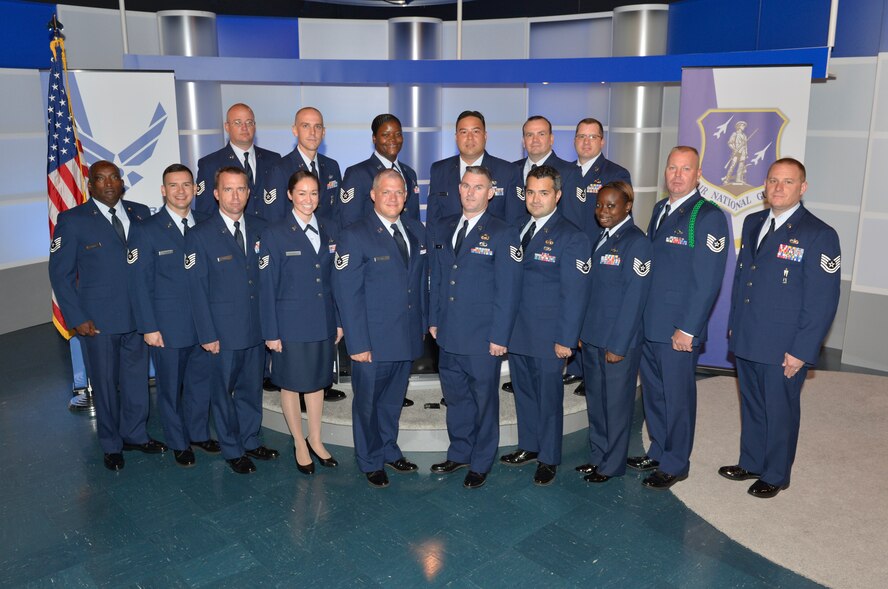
[(549, 258), (422, 251), (610, 260), (676, 240), (789, 252), (381, 258), (484, 251), (164, 252), (294, 253), (225, 258), (94, 245)]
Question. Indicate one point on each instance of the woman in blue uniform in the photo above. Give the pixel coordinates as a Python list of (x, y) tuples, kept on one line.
[(298, 316)]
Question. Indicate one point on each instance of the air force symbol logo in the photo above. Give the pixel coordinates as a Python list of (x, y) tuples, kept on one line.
[(581, 194), (345, 196), (584, 267), (201, 186), (132, 256), (515, 253), (341, 262), (830, 266), (641, 268), (270, 196), (190, 260), (263, 262), (716, 245), (55, 245), (519, 192)]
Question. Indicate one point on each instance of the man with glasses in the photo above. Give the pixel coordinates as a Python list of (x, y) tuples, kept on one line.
[(240, 126)]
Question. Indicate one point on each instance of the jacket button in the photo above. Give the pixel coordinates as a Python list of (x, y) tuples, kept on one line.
[(317, 265), (249, 281), (452, 282), (746, 301), (752, 267), (320, 294), (748, 284), (317, 279), (455, 267), (450, 298)]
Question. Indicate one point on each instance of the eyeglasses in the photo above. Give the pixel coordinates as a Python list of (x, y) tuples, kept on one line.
[(583, 137), (240, 123)]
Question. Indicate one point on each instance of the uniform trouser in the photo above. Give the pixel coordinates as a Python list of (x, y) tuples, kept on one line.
[(236, 397), (610, 399), (669, 395), (770, 409), (575, 365), (378, 397), (183, 394), (539, 404), (118, 369), (471, 389)]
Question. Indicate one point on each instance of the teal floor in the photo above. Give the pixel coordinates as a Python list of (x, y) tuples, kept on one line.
[(65, 521)]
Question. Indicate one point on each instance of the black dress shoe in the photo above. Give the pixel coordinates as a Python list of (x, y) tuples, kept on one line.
[(474, 480), (149, 447), (737, 473), (402, 465), (580, 391), (114, 461), (764, 490), (263, 453), (331, 394), (642, 462), (571, 379), (661, 481), (545, 474), (378, 479), (184, 457), (407, 402), (208, 446), (519, 458), (269, 386), (325, 462), (507, 387), (303, 468), (447, 467), (242, 465), (596, 477), (586, 468)]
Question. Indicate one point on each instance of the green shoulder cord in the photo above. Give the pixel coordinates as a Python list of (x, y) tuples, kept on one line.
[(692, 223)]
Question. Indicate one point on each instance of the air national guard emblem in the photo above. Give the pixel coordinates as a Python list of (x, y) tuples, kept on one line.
[(201, 186), (55, 245), (641, 268), (716, 245), (132, 256), (516, 253), (270, 196), (190, 261), (581, 194), (263, 262), (340, 262), (346, 195), (584, 267), (830, 266), (519, 192)]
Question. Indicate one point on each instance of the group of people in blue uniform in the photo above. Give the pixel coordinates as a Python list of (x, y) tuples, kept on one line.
[(537, 260)]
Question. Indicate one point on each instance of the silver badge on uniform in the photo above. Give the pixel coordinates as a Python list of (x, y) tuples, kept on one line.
[(716, 245), (516, 253), (132, 255), (346, 195), (584, 267), (581, 194), (263, 262), (55, 245), (341, 261), (190, 260), (830, 266), (270, 196), (641, 268)]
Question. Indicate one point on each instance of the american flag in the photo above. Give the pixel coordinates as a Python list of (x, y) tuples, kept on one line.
[(65, 173)]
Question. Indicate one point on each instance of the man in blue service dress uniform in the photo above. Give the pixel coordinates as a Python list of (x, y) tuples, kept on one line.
[(446, 175), (786, 290), (87, 268), (240, 125), (595, 172), (611, 335), (554, 290), (475, 281), (381, 290), (690, 240), (222, 263), (354, 197), (159, 295)]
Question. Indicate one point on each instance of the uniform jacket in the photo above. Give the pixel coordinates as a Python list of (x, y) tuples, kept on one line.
[(354, 197), (554, 289), (223, 283), (444, 189), (785, 296), (474, 295), (206, 176), (602, 172), (572, 203), (685, 280), (88, 268), (383, 304), (620, 283), (157, 283), (275, 204), (295, 293)]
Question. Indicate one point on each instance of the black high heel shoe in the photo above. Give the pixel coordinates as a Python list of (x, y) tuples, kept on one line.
[(304, 468), (327, 462)]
